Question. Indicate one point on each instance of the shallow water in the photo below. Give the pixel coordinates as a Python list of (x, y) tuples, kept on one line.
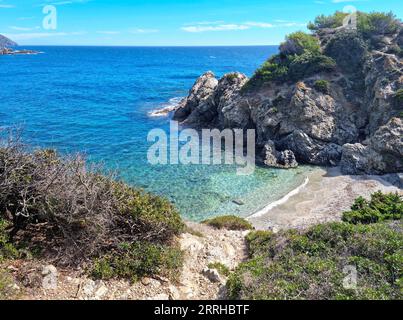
[(98, 100)]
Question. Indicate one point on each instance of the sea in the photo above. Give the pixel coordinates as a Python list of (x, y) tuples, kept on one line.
[(99, 101)]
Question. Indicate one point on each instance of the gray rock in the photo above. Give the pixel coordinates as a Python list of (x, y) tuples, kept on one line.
[(50, 277), (273, 158), (212, 275), (383, 152)]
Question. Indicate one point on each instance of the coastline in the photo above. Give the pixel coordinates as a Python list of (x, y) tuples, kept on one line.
[(323, 197)]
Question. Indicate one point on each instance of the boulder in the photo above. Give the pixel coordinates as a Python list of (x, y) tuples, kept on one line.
[(278, 159), (383, 153)]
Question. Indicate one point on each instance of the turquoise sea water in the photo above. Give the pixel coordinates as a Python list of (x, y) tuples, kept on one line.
[(97, 100)]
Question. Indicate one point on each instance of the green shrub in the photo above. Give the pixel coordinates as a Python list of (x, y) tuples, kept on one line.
[(221, 268), (377, 23), (298, 43), (137, 260), (332, 21), (399, 97), (381, 207), (368, 24), (322, 86), (349, 50), (229, 223), (310, 264), (7, 249), (309, 64)]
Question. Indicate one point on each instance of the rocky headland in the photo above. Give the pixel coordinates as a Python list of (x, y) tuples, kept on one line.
[(6, 46), (333, 98)]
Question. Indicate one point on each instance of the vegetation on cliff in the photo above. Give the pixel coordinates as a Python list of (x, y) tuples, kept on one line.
[(302, 55), (66, 211), (314, 264)]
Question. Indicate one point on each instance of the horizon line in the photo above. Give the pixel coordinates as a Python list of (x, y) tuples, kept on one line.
[(147, 46)]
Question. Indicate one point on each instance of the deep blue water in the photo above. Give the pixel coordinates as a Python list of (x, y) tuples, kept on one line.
[(97, 100)]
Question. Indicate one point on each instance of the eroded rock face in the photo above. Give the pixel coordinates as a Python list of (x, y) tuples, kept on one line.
[(278, 159), (355, 123), (198, 106), (383, 153)]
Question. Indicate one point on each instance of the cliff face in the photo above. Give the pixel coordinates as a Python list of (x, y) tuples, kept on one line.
[(348, 115)]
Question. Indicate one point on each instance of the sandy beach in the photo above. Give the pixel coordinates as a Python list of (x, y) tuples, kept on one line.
[(324, 196)]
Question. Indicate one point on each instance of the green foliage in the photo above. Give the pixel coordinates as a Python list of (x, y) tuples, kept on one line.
[(221, 268), (368, 24), (399, 97), (349, 50), (137, 260), (7, 249), (309, 265), (309, 64), (322, 86), (332, 21), (229, 223), (381, 207), (7, 292), (300, 42), (377, 23)]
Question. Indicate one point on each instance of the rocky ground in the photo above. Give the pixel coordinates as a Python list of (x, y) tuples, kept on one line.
[(204, 245)]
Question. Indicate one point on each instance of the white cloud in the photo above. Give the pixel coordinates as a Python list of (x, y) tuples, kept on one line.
[(341, 1), (108, 32), (24, 29), (6, 6), (241, 26), (221, 27), (138, 30), (40, 35)]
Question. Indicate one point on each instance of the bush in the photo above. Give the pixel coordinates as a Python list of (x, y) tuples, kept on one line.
[(399, 97), (322, 86), (7, 249), (70, 212), (332, 21), (136, 260), (368, 24), (310, 264), (309, 64), (349, 50), (229, 223), (381, 207), (298, 43), (221, 268), (377, 23)]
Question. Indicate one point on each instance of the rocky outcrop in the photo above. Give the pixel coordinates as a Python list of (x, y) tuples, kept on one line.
[(273, 158), (382, 153), (355, 122)]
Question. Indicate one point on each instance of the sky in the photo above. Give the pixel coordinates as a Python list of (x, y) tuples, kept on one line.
[(167, 22)]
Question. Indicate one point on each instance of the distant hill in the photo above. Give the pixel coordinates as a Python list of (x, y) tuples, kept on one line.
[(6, 42)]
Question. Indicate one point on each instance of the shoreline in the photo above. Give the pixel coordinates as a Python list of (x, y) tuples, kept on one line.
[(323, 197)]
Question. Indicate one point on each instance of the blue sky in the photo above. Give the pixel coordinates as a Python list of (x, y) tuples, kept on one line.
[(169, 22)]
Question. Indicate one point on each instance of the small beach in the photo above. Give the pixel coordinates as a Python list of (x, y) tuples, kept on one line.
[(322, 198)]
